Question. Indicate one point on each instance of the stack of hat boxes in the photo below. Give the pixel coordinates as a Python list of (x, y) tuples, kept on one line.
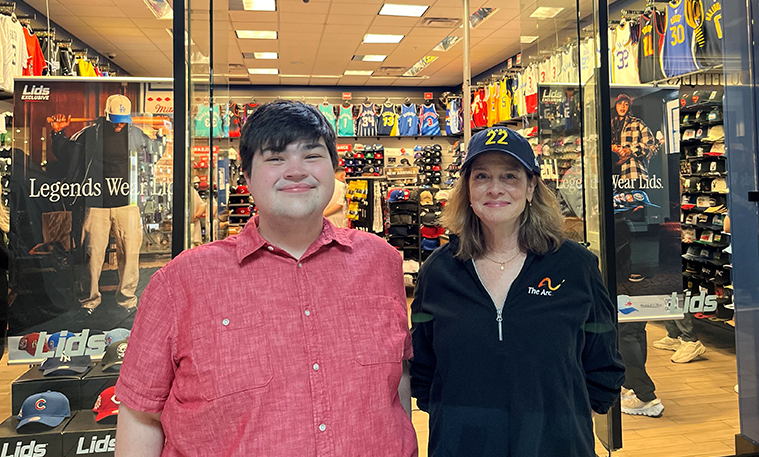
[(66, 406)]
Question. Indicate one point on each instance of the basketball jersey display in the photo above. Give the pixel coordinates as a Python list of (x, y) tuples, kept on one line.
[(544, 68), (587, 62), (430, 125), (387, 120), (479, 109), (531, 90), (367, 120), (452, 125), (554, 74), (493, 104), (235, 120), (504, 100), (624, 70), (345, 125), (408, 122), (203, 122), (649, 47), (677, 52), (329, 112), (248, 111), (708, 34)]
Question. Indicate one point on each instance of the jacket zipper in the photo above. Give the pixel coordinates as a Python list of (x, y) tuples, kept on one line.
[(499, 319)]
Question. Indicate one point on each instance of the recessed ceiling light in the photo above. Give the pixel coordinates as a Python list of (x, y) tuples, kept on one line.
[(257, 34), (266, 55), (479, 16), (389, 9), (263, 71), (447, 43), (259, 5), (378, 38), (527, 39), (294, 76), (546, 12), (160, 8), (423, 63), (374, 58), (358, 72), (326, 76)]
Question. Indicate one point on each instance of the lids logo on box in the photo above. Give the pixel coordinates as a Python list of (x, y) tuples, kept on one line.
[(36, 93), (82, 344), (97, 446), (25, 450)]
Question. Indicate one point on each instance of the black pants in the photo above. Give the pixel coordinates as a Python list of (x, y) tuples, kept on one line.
[(632, 346)]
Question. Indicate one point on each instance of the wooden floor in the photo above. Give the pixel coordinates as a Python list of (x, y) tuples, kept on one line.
[(700, 406), (700, 416)]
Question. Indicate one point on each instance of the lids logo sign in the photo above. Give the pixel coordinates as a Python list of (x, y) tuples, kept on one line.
[(35, 93), (32, 449)]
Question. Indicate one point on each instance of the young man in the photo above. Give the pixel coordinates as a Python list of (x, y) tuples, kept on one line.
[(337, 208), (273, 356)]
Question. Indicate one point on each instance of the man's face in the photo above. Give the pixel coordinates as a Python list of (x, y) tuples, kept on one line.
[(296, 183), (117, 127), (622, 107)]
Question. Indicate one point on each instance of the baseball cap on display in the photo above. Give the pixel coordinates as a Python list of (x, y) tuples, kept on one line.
[(692, 253), (718, 149), (425, 198), (502, 139), (714, 115), (691, 267), (432, 231), (688, 235), (686, 121), (107, 405), (701, 134), (48, 408), (441, 195), (429, 218), (707, 236), (397, 195), (721, 277), (114, 355), (53, 340), (29, 343), (65, 365), (116, 334), (118, 109), (688, 202), (705, 202), (716, 133), (430, 244), (640, 196), (691, 218), (718, 220), (689, 134), (702, 218), (719, 185)]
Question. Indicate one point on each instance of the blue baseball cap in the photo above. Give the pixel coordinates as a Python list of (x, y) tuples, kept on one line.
[(115, 335), (502, 139), (53, 340), (49, 408), (66, 365), (430, 244)]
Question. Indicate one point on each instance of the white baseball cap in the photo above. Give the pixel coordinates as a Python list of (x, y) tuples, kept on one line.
[(118, 109)]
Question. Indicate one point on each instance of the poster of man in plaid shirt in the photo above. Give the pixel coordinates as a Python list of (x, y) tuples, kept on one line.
[(632, 142)]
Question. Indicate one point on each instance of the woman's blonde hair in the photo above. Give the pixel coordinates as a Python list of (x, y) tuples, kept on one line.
[(541, 227)]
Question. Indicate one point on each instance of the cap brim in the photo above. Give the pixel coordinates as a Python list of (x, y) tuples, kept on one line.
[(120, 118), (113, 366), (65, 369), (470, 159), (50, 421), (105, 414)]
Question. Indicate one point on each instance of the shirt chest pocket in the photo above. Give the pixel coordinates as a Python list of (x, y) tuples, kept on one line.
[(377, 334), (231, 355)]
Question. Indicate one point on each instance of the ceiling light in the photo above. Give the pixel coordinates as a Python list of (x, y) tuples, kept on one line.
[(310, 76), (257, 34), (259, 5), (423, 63), (263, 71), (479, 16), (358, 72), (447, 43), (527, 39), (376, 38), (374, 58), (546, 12), (294, 76), (160, 8), (266, 55), (384, 77), (326, 76), (389, 9)]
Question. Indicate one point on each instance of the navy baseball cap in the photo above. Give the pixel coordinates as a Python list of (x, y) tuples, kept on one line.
[(502, 139), (49, 408), (65, 365)]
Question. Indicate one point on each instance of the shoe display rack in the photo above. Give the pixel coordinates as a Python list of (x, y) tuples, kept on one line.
[(706, 247)]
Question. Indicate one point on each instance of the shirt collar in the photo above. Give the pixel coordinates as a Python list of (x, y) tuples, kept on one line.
[(250, 240)]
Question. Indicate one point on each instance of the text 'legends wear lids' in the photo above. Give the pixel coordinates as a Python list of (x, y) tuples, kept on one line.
[(502, 139), (48, 408), (65, 365), (118, 109), (107, 405)]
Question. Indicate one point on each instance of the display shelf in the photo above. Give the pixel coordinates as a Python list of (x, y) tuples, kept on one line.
[(239, 195), (238, 204)]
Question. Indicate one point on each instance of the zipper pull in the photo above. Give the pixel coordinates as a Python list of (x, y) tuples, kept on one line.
[(499, 319)]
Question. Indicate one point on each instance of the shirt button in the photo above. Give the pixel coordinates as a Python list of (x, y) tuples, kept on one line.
[(300, 265), (271, 248), (322, 427), (225, 322), (316, 367), (308, 313)]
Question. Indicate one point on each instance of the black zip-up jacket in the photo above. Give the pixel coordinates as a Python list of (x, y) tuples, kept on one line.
[(528, 390)]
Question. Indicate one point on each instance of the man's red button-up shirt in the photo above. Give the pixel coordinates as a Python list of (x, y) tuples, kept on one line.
[(248, 351)]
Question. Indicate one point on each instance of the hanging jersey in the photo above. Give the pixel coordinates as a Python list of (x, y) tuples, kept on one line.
[(248, 111), (479, 109), (504, 101), (235, 120), (531, 90), (387, 120), (408, 123), (345, 124), (544, 69), (624, 70), (226, 118), (452, 125), (649, 47), (677, 53), (520, 97), (493, 104), (708, 34), (35, 64), (366, 124), (203, 122), (554, 66), (430, 125), (329, 113)]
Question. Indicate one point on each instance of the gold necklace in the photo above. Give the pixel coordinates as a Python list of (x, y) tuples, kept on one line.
[(503, 264)]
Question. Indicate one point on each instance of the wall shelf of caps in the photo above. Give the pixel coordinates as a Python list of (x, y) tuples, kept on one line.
[(706, 245)]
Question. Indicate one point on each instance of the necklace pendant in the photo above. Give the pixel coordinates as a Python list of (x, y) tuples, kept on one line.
[(503, 266)]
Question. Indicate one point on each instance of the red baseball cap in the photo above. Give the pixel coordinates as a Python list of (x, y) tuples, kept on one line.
[(29, 342), (107, 404)]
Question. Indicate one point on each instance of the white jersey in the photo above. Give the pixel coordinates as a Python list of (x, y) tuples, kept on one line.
[(15, 54), (544, 69), (519, 94), (555, 74), (624, 67), (587, 59), (568, 65)]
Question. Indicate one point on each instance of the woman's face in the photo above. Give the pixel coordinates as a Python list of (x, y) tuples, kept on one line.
[(499, 189)]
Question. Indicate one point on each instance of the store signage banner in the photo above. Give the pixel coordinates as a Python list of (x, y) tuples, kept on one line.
[(646, 205), (88, 215), (159, 101)]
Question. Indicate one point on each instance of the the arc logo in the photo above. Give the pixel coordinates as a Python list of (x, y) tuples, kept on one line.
[(545, 287)]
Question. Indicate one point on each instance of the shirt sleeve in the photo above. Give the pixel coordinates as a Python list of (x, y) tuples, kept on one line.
[(148, 370), (604, 370), (423, 363), (408, 350)]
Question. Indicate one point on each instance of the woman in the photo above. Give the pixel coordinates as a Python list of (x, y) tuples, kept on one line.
[(514, 337)]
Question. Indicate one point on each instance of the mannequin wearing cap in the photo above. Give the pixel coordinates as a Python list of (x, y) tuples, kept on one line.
[(98, 156), (503, 311)]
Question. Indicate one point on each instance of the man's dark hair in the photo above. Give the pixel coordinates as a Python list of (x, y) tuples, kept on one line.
[(275, 125)]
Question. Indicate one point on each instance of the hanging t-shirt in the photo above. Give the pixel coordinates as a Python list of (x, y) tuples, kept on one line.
[(35, 62), (14, 50)]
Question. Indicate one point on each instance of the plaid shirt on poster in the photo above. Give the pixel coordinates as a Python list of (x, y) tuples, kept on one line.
[(637, 137)]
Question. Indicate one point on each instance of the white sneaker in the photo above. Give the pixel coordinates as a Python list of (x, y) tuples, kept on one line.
[(667, 343), (688, 351), (636, 407), (626, 394)]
